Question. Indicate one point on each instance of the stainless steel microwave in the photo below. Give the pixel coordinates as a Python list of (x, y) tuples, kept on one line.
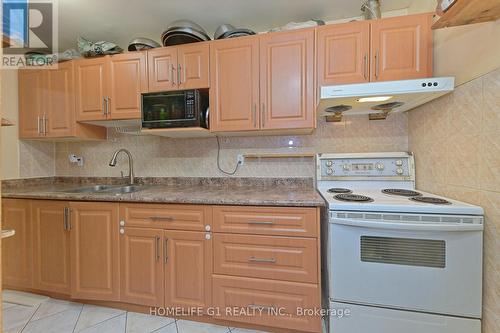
[(173, 109)]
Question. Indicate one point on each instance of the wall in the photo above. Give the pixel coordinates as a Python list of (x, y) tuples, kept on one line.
[(465, 52), (156, 156), (456, 141), (21, 159)]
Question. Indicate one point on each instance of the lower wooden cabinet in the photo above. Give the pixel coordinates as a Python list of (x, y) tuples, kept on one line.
[(17, 250), (142, 266), (51, 246), (95, 251), (188, 269)]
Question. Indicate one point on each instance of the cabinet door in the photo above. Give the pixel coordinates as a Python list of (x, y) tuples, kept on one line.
[(90, 88), (343, 53), (17, 250), (141, 265), (234, 96), (31, 99), (287, 80), (94, 251), (162, 69), (401, 48), (60, 101), (127, 80), (193, 66), (51, 247), (188, 269)]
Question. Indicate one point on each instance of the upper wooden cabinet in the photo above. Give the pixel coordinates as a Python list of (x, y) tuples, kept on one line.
[(343, 53), (398, 48), (110, 87), (263, 82), (51, 265), (47, 105), (401, 48), (179, 67), (17, 250), (287, 80), (234, 96), (95, 251)]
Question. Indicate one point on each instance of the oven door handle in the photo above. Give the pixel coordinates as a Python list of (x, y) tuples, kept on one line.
[(406, 226)]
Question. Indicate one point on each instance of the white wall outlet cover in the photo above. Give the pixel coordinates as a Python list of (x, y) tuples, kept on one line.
[(240, 159), (78, 160)]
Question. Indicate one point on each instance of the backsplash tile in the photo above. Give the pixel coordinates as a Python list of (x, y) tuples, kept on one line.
[(162, 157), (460, 133)]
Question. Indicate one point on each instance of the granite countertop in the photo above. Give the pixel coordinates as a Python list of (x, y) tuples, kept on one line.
[(207, 191)]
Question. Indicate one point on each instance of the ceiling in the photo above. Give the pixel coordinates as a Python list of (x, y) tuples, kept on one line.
[(119, 21)]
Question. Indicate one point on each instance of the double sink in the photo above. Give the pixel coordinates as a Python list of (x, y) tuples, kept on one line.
[(107, 189)]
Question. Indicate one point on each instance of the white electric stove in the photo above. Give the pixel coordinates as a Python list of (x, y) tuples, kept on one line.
[(398, 259)]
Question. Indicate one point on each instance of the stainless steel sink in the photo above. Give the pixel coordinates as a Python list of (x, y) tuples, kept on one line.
[(89, 189), (125, 189)]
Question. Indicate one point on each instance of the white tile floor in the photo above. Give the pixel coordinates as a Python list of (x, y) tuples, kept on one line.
[(55, 316)]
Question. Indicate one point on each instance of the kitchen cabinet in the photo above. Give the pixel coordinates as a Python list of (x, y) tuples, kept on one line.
[(234, 96), (51, 246), (142, 266), (401, 48), (343, 53), (179, 67), (188, 269), (110, 87), (47, 105), (31, 101), (397, 48), (287, 80), (95, 251), (275, 82), (17, 250)]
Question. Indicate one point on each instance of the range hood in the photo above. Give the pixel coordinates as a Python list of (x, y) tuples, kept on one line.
[(380, 98)]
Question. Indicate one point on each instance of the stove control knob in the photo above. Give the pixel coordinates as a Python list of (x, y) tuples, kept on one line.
[(399, 163), (345, 167), (329, 171), (399, 171), (329, 163), (380, 166)]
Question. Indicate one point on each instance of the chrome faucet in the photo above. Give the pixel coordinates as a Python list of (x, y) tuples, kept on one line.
[(112, 163)]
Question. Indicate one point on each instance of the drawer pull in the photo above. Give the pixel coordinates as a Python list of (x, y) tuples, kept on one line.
[(161, 218), (261, 307), (261, 222), (266, 260)]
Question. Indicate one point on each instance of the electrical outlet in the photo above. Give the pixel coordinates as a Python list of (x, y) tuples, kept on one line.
[(240, 159)]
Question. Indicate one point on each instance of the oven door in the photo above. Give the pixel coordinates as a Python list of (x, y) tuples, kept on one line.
[(428, 267)]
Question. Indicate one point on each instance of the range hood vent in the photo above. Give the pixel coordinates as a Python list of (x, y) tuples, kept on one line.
[(380, 98)]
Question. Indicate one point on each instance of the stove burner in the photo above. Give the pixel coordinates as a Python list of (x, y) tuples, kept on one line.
[(339, 190), (401, 192), (352, 197), (431, 200)]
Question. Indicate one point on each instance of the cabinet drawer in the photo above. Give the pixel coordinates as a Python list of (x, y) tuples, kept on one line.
[(174, 217), (267, 302), (281, 221), (270, 257)]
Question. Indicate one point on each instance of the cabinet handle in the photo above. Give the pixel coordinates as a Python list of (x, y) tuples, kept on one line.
[(45, 120), (161, 218), (365, 66), (107, 105), (68, 220), (262, 260), (263, 115), (157, 248), (38, 125), (254, 115), (269, 308), (172, 78), (104, 106), (179, 68), (376, 64), (165, 251), (65, 218), (261, 222)]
